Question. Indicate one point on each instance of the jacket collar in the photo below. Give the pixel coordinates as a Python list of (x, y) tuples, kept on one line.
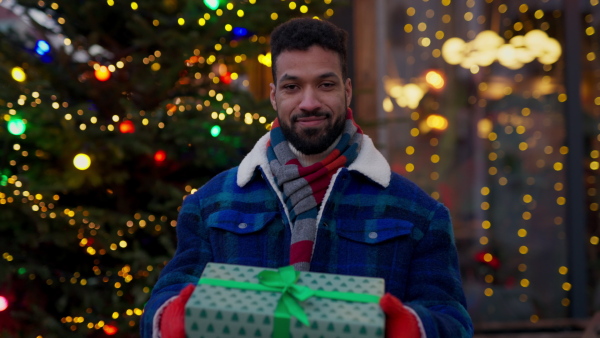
[(370, 162)]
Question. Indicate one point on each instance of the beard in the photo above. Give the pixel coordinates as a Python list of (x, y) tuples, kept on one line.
[(311, 141)]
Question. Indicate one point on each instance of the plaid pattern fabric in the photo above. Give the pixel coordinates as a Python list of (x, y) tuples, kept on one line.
[(304, 187), (392, 230)]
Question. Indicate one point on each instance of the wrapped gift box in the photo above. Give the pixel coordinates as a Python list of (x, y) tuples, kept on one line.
[(218, 311)]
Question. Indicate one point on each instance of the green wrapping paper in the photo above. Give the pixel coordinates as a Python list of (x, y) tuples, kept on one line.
[(242, 301)]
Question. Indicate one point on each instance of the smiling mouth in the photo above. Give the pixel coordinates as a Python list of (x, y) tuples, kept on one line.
[(310, 121)]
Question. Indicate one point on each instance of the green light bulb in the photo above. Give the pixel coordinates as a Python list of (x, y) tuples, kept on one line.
[(215, 131), (212, 4), (16, 126)]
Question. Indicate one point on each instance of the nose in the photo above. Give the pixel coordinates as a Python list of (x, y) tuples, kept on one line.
[(310, 101)]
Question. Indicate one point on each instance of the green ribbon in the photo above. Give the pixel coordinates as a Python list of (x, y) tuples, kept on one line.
[(284, 280)]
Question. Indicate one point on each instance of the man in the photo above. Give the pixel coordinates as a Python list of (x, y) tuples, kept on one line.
[(316, 194)]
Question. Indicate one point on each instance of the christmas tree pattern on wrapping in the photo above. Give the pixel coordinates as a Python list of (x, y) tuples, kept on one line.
[(246, 313)]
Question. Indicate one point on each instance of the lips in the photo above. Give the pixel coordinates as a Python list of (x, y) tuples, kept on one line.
[(311, 121)]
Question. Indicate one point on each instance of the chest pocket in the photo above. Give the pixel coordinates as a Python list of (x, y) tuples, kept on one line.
[(238, 222), (373, 231)]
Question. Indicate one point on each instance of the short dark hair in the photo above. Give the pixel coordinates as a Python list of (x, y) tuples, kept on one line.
[(303, 33)]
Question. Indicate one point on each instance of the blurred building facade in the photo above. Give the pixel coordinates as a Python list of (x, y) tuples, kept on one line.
[(493, 107)]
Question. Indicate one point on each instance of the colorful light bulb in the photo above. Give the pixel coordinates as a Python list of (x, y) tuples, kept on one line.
[(3, 303), (16, 126), (110, 329), (18, 74), (42, 47), (212, 4), (127, 127), (102, 73), (215, 131), (160, 156), (82, 161)]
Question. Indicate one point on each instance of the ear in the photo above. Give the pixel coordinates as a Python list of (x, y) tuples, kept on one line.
[(272, 96), (348, 90)]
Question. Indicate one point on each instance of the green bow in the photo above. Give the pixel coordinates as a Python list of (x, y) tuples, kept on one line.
[(284, 280)]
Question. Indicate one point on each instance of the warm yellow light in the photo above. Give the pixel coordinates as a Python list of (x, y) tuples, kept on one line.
[(18, 74), (484, 128), (438, 122), (388, 106), (453, 50), (435, 79), (82, 161), (488, 47), (265, 59)]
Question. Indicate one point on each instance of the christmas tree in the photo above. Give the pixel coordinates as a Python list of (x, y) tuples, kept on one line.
[(112, 112)]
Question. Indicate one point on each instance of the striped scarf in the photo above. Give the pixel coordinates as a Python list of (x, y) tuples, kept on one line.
[(304, 187)]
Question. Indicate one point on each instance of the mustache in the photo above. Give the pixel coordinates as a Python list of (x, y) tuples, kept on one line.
[(310, 114)]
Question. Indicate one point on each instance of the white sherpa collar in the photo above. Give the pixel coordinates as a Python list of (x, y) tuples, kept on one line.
[(369, 162)]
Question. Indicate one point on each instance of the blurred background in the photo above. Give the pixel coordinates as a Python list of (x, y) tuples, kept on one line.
[(113, 111)]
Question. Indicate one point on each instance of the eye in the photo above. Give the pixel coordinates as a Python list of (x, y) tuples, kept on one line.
[(290, 86), (327, 85)]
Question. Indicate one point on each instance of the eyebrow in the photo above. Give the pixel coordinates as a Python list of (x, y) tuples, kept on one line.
[(286, 76)]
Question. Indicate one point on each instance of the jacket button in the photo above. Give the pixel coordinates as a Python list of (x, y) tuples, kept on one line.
[(325, 224), (372, 235), (242, 225)]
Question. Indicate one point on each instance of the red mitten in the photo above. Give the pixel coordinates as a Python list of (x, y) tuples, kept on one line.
[(172, 319), (399, 322)]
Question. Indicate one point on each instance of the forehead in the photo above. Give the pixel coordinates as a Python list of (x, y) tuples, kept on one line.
[(313, 61)]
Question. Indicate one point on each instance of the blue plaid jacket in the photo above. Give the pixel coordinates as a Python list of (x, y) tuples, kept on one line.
[(372, 223)]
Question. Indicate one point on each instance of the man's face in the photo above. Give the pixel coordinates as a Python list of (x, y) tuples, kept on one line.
[(310, 98)]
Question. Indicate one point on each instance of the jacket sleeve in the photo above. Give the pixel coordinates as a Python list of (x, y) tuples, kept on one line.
[(434, 287), (192, 254)]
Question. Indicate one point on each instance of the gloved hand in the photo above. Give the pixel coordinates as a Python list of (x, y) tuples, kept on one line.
[(399, 322), (172, 319)]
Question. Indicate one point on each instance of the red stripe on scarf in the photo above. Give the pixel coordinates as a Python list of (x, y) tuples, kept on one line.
[(301, 252)]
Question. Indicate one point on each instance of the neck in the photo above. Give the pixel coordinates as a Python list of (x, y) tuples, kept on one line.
[(307, 160)]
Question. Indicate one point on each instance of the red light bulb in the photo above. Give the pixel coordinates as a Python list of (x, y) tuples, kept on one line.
[(102, 73), (160, 156), (226, 78), (3, 303), (110, 329), (126, 127)]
